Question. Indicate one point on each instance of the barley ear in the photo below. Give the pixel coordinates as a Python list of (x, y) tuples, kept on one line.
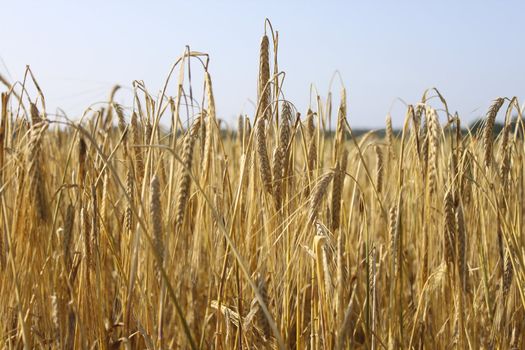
[(489, 129), (317, 196), (262, 154), (156, 216)]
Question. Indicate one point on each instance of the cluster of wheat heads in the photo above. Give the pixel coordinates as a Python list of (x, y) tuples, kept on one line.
[(275, 234)]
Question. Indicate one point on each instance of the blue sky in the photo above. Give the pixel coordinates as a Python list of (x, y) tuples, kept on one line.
[(472, 51)]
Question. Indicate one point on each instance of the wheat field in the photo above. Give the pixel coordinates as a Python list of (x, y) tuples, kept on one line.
[(157, 226)]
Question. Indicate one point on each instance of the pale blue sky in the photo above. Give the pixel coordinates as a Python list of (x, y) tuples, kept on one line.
[(473, 51)]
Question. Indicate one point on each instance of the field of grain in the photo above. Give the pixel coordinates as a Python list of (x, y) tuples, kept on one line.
[(153, 226)]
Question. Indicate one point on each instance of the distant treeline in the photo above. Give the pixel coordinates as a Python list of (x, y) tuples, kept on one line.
[(475, 127)]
